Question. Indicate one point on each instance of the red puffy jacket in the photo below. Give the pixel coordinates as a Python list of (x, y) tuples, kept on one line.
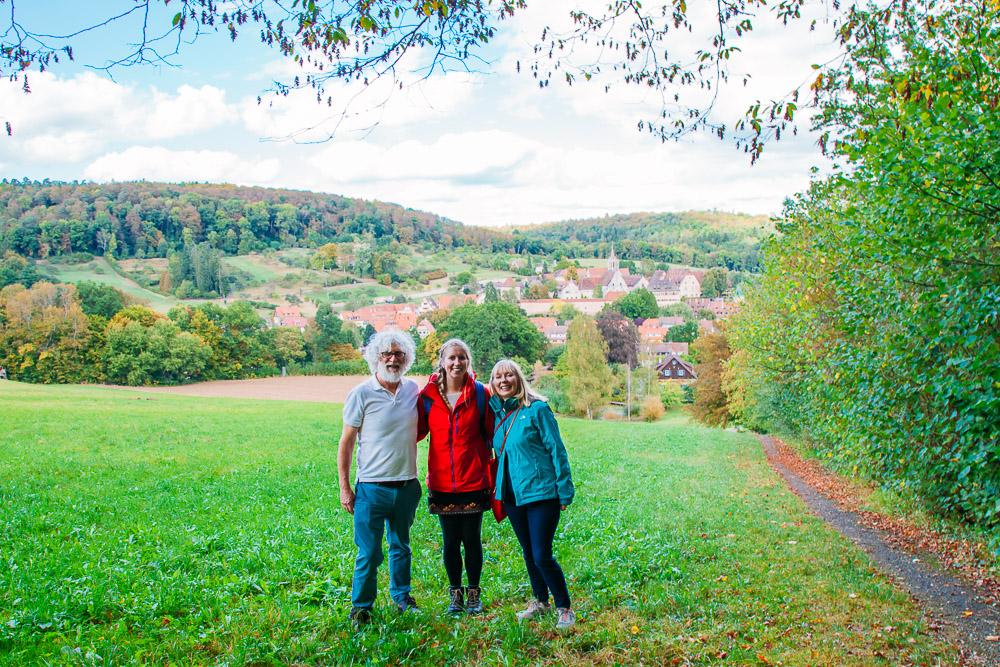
[(458, 455)]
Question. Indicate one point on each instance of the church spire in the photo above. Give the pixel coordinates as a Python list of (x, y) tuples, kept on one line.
[(613, 259)]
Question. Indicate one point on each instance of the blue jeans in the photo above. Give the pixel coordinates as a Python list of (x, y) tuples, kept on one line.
[(535, 525), (375, 509)]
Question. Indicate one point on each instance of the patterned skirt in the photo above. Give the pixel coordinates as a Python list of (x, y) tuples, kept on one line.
[(466, 502)]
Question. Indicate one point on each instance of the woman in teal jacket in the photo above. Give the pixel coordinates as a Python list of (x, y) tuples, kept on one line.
[(534, 483)]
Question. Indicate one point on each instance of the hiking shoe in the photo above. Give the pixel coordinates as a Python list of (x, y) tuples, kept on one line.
[(457, 605), (565, 618), (533, 610), (473, 601), (360, 616), (407, 604)]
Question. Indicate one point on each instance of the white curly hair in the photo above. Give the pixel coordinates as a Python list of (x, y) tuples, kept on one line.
[(383, 342)]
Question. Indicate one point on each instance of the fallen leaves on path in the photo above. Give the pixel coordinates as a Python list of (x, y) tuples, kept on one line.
[(961, 556)]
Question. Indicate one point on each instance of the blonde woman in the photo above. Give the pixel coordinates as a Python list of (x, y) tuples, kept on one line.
[(454, 412), (534, 483)]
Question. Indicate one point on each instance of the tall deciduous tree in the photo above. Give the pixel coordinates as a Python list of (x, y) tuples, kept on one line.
[(710, 405), (714, 283), (494, 331), (589, 380), (637, 304), (621, 336)]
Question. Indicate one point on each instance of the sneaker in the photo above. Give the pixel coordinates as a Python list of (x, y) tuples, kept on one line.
[(360, 616), (473, 601), (533, 610), (565, 618), (457, 605), (407, 603)]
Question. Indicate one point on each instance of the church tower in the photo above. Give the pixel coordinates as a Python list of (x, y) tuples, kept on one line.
[(613, 260)]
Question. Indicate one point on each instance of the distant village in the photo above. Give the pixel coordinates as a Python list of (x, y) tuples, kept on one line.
[(586, 290)]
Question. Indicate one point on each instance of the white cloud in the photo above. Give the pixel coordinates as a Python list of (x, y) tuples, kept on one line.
[(480, 148), (156, 163), (356, 109), (69, 120)]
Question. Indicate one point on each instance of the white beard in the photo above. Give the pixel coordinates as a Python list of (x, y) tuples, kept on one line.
[(387, 375)]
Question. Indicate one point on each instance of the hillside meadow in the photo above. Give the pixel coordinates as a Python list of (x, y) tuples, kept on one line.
[(141, 528)]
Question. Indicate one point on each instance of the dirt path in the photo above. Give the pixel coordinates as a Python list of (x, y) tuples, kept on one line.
[(955, 602), (312, 388)]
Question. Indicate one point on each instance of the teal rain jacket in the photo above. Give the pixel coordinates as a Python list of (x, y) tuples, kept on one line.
[(534, 453)]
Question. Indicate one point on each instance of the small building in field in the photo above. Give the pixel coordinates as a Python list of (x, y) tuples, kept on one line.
[(674, 368)]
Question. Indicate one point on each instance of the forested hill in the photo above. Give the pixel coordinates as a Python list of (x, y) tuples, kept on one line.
[(699, 238), (142, 219)]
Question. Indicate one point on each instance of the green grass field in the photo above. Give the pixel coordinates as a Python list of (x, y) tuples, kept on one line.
[(141, 528)]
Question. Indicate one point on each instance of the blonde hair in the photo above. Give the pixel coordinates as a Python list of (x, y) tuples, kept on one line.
[(525, 394), (442, 379)]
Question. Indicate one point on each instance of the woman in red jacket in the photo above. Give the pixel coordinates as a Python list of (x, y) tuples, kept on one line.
[(454, 407)]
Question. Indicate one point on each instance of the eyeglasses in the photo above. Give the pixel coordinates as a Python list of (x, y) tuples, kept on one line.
[(395, 354)]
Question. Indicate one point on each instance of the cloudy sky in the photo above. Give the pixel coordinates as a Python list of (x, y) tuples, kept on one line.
[(482, 147)]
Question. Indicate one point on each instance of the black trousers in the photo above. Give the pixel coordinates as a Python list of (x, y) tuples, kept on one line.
[(535, 526), (462, 530)]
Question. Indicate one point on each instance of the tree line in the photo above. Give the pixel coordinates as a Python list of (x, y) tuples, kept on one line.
[(45, 219), (873, 333), (92, 333)]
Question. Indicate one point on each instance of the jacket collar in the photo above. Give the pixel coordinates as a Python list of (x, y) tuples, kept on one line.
[(505, 405)]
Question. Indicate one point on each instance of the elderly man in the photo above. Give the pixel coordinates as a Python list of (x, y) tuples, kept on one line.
[(381, 416)]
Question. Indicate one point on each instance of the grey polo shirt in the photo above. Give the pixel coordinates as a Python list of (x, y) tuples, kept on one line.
[(387, 430)]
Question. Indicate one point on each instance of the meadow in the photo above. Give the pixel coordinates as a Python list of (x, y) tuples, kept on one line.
[(142, 528), (99, 271)]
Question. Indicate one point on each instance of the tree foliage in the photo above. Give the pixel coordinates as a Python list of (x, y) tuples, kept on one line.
[(637, 304), (618, 44), (17, 269), (589, 381), (621, 336), (874, 330), (682, 333), (710, 404), (494, 331), (714, 283)]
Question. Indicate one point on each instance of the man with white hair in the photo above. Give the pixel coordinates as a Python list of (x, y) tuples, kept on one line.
[(380, 414)]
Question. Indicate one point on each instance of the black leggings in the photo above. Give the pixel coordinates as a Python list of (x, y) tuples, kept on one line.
[(459, 530)]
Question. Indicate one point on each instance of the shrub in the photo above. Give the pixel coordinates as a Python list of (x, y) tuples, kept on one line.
[(551, 387), (652, 408), (671, 394), (355, 367), (611, 415)]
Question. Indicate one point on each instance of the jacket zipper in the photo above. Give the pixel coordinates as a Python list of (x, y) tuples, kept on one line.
[(451, 446)]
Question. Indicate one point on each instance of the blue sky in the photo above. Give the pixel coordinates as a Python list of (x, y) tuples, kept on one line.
[(483, 147)]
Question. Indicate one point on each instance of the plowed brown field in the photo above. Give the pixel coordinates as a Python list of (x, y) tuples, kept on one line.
[(315, 388)]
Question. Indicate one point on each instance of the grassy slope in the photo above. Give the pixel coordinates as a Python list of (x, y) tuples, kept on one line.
[(72, 273), (159, 528)]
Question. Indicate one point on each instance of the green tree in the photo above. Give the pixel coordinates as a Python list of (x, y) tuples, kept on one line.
[(589, 380), (637, 304), (714, 283), (100, 299), (289, 345), (873, 329), (17, 269), (490, 294), (494, 331), (682, 333)]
